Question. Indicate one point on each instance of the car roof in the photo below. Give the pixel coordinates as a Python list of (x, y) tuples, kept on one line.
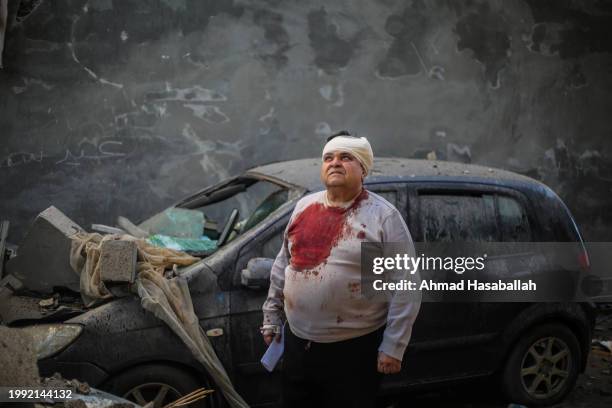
[(305, 172)]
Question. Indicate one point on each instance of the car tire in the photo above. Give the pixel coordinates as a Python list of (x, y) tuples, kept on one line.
[(168, 383), (542, 368)]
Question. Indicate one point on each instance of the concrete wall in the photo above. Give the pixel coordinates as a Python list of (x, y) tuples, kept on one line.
[(120, 107)]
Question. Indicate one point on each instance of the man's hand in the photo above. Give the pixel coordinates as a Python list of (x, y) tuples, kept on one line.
[(269, 335), (387, 364)]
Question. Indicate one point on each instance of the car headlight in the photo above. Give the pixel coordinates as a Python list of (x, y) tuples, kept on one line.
[(50, 339)]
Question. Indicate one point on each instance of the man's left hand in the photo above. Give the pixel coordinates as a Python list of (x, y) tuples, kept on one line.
[(387, 364)]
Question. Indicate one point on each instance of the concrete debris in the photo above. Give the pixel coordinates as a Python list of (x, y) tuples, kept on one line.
[(43, 261), (48, 303), (57, 381), (131, 229), (118, 261), (105, 229), (84, 396), (17, 359), (81, 387), (604, 345), (76, 403), (20, 369), (8, 285)]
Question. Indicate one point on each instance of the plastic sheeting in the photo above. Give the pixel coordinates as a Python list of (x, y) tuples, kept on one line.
[(170, 301), (167, 299), (200, 245)]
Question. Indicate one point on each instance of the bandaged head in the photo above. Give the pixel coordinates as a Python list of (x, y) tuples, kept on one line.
[(358, 147)]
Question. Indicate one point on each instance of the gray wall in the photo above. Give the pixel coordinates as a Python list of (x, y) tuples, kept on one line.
[(120, 107)]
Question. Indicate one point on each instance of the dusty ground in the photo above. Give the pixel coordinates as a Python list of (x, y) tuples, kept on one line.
[(593, 389)]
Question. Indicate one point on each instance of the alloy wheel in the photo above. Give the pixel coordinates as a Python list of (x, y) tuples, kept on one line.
[(161, 394), (545, 367)]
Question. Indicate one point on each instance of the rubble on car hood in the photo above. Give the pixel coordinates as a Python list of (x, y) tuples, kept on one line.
[(20, 369), (42, 262)]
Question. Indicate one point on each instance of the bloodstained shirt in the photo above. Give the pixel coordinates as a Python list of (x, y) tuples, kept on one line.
[(316, 277)]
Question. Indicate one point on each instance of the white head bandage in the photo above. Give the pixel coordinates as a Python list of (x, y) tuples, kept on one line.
[(359, 147)]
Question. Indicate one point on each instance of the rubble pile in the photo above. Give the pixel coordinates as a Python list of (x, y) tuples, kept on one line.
[(57, 253), (17, 359)]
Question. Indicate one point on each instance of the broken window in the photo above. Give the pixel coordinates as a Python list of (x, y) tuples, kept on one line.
[(217, 216)]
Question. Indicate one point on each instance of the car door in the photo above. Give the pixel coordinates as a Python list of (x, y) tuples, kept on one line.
[(445, 330), (256, 385)]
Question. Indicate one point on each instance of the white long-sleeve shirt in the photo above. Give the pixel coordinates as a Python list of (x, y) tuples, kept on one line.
[(316, 277)]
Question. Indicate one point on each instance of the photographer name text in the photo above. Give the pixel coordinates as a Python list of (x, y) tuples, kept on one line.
[(470, 285)]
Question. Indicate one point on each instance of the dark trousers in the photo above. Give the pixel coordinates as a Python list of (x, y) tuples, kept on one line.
[(340, 374)]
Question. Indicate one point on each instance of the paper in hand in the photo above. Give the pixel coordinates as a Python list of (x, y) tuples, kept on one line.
[(274, 352)]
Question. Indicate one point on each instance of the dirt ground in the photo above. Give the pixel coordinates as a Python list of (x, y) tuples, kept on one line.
[(593, 388)]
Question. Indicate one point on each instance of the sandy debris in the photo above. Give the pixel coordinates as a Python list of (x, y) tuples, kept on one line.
[(17, 359)]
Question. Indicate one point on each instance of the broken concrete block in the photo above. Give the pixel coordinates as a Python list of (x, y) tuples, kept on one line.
[(43, 261), (17, 359), (118, 261)]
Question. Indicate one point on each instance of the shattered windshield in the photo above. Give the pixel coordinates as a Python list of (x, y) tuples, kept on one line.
[(206, 221)]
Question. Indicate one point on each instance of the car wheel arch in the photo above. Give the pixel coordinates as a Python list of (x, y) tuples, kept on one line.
[(186, 368), (513, 374), (530, 318)]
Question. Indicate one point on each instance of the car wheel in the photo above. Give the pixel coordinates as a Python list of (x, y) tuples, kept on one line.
[(542, 367), (159, 383)]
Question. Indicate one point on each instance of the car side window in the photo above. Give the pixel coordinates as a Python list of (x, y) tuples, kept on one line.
[(513, 220), (447, 217)]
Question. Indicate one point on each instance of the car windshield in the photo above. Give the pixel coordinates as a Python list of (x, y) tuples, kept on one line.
[(202, 223)]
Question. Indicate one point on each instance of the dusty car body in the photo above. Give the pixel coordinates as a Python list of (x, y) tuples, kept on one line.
[(125, 350)]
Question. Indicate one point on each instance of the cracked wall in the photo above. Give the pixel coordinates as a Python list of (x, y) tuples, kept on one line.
[(114, 108)]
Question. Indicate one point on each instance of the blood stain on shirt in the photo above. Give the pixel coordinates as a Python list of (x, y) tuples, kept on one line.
[(316, 230), (361, 235)]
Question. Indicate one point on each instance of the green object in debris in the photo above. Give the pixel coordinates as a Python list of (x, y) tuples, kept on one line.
[(176, 222), (203, 244)]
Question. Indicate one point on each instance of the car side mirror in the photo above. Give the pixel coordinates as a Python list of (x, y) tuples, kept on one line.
[(257, 273)]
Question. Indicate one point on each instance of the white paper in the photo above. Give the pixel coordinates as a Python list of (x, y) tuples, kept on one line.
[(274, 352)]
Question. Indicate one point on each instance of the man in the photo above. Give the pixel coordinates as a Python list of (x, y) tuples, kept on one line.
[(336, 341)]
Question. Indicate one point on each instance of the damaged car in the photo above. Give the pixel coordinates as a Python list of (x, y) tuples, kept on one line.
[(535, 350)]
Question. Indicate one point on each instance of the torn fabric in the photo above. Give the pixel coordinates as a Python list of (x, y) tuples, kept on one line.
[(168, 299), (85, 260)]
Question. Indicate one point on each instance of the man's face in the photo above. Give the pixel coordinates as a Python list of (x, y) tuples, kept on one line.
[(341, 169)]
